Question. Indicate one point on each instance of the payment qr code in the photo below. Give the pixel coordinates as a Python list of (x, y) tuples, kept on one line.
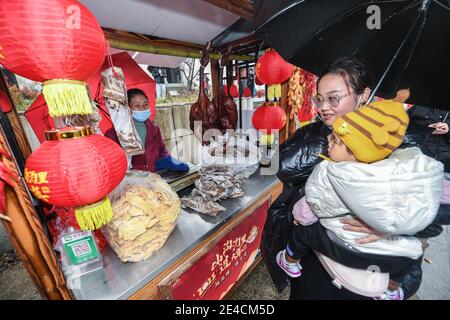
[(81, 248)]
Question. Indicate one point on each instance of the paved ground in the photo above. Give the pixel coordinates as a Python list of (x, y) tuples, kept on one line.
[(16, 284)]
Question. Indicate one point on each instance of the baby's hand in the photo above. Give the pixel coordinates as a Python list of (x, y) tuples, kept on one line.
[(357, 225)]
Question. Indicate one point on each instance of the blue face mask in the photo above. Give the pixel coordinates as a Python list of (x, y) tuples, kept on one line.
[(141, 116)]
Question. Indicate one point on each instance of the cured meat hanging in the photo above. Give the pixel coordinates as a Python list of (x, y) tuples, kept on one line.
[(203, 110), (228, 114)]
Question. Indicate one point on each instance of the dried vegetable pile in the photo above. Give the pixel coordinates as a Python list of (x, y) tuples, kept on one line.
[(144, 215), (215, 183)]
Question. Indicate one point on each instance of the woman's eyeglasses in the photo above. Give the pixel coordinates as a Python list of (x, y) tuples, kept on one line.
[(333, 101)]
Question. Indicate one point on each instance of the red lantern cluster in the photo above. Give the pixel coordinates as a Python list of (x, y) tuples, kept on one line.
[(75, 168), (247, 92), (232, 91)]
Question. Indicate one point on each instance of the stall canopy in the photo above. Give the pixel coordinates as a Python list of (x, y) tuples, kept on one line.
[(193, 21), (135, 77)]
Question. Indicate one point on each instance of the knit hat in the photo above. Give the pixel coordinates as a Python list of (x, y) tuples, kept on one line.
[(373, 131)]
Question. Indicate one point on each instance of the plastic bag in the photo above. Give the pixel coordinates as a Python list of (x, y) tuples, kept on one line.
[(115, 94), (145, 210)]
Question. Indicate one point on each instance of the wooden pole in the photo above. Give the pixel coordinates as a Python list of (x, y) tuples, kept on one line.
[(130, 46), (28, 237), (284, 133), (215, 77)]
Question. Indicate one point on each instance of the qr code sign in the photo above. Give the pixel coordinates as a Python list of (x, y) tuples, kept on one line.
[(82, 248)]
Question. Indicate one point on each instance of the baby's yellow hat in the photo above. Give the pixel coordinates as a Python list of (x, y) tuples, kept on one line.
[(373, 131)]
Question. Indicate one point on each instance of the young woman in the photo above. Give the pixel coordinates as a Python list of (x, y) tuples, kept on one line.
[(342, 88)]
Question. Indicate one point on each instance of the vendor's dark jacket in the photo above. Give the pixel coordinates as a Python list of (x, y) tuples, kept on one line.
[(298, 157), (154, 148)]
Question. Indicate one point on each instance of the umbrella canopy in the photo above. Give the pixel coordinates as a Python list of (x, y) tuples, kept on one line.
[(40, 120), (410, 48)]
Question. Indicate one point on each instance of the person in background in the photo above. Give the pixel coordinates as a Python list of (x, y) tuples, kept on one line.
[(251, 81), (156, 156)]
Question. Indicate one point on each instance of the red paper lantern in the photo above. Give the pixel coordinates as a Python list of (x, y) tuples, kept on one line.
[(272, 70), (75, 168), (234, 92), (5, 103), (267, 118), (53, 39), (247, 92)]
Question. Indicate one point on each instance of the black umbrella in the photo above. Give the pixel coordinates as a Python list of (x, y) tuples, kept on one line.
[(411, 48)]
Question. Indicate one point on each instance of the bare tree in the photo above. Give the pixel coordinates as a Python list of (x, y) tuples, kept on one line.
[(190, 69)]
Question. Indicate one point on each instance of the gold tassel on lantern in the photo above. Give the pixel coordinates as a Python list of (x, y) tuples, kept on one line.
[(267, 139), (95, 215), (66, 97), (274, 91)]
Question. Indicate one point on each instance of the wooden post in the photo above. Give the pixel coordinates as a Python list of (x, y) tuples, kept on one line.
[(214, 77), (284, 133), (27, 235)]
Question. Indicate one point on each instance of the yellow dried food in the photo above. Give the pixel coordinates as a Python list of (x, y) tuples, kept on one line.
[(144, 215)]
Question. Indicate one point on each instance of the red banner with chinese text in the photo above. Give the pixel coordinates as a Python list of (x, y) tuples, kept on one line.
[(214, 274)]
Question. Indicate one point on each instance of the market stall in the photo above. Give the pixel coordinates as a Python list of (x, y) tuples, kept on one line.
[(155, 249)]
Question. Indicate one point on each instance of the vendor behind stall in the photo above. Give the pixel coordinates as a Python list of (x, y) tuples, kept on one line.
[(156, 157)]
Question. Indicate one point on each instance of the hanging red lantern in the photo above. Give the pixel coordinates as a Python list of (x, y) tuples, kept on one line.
[(247, 92), (5, 103), (269, 117), (272, 70), (57, 42), (234, 92), (76, 168)]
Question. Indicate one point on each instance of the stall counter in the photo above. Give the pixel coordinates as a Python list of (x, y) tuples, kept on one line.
[(195, 235)]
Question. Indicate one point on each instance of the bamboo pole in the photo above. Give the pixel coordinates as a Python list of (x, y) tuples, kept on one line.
[(125, 45)]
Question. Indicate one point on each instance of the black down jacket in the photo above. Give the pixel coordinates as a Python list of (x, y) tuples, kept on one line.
[(298, 157)]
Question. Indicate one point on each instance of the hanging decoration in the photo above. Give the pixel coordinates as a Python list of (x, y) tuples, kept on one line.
[(247, 92), (234, 91), (269, 117), (82, 170), (272, 70), (302, 86), (57, 42)]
